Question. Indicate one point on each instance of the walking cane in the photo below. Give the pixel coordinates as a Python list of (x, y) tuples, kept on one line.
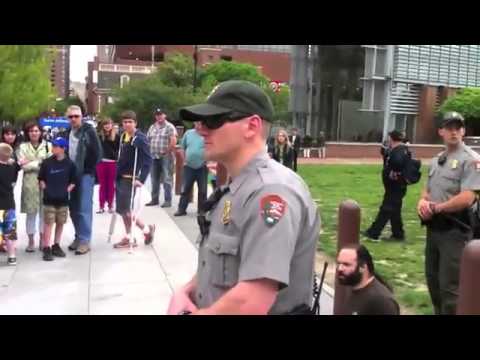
[(132, 195)]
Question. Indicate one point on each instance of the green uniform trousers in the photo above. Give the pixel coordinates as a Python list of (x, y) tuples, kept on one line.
[(443, 252)]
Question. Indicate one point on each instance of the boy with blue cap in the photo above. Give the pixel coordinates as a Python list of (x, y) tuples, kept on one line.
[(57, 180)]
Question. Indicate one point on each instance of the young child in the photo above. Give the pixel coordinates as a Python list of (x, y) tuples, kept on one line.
[(8, 219), (57, 180)]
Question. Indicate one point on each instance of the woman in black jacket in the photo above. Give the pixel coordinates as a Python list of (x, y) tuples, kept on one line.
[(283, 151)]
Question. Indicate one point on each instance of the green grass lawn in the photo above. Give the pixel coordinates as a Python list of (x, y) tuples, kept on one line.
[(402, 264)]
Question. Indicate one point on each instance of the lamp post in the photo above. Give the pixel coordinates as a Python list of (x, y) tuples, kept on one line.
[(195, 60)]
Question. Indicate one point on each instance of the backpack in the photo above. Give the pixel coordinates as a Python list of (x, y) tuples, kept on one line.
[(412, 170)]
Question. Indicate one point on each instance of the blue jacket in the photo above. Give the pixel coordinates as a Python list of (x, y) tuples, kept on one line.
[(127, 156)]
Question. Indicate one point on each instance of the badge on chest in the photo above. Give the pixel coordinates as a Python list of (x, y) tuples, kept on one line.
[(227, 209)]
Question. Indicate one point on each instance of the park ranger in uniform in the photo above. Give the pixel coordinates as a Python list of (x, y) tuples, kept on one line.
[(445, 208), (259, 233)]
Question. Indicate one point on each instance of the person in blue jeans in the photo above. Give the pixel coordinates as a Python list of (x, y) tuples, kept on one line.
[(195, 169), (162, 137), (85, 150)]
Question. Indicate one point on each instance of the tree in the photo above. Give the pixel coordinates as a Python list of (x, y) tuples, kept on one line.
[(230, 70), (62, 105), (171, 87), (25, 88), (143, 96), (467, 103), (176, 70)]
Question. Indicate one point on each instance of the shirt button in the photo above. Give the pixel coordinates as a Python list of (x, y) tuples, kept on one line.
[(203, 263), (200, 296)]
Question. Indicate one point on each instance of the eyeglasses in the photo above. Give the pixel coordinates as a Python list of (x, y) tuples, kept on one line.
[(73, 116), (214, 123)]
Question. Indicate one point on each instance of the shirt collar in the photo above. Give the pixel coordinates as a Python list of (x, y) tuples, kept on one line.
[(261, 158)]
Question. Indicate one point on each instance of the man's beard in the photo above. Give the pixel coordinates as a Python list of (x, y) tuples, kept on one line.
[(353, 279)]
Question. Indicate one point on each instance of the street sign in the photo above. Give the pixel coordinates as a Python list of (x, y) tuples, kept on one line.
[(59, 122)]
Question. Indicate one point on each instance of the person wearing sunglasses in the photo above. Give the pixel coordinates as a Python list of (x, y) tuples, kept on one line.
[(444, 207), (259, 233), (85, 150)]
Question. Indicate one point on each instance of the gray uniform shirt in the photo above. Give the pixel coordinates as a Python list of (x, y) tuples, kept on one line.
[(460, 172), (266, 227)]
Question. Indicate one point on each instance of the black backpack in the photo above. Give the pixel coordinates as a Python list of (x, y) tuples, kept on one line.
[(412, 170)]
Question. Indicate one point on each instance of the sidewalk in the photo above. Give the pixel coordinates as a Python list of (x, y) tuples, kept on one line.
[(107, 281)]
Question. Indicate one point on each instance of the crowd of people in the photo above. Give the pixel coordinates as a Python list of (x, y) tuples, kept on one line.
[(258, 233)]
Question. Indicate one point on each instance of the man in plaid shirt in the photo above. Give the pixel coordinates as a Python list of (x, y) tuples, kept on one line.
[(162, 137)]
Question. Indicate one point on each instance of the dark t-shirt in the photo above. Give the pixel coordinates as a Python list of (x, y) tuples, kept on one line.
[(374, 299), (8, 176), (110, 148), (57, 176)]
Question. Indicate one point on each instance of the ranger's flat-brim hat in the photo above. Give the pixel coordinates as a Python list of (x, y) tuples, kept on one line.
[(450, 118), (231, 96)]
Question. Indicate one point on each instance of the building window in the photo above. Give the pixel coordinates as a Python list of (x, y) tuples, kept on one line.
[(226, 58), (124, 80)]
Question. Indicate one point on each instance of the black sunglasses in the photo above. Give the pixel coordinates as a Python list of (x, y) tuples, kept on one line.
[(214, 123), (73, 116)]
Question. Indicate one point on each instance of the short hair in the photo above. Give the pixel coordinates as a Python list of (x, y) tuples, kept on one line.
[(28, 126), (74, 107), (396, 135), (6, 152), (129, 114), (267, 127)]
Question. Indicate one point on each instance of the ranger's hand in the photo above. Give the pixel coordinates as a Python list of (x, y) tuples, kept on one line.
[(424, 209), (180, 301)]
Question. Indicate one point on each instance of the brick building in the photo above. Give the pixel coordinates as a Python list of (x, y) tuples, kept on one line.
[(60, 70), (118, 64)]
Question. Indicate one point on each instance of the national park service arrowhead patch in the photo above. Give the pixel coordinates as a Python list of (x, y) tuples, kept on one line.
[(272, 207)]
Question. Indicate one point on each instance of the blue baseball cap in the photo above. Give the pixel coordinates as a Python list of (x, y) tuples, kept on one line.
[(60, 142)]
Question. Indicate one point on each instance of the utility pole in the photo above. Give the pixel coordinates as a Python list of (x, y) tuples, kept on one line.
[(195, 60), (153, 56)]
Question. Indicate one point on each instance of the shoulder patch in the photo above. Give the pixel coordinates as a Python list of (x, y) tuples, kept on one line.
[(272, 208)]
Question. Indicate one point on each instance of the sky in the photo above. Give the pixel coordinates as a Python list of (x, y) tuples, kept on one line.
[(80, 55)]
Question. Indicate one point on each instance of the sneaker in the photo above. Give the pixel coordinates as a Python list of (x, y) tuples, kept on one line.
[(180, 213), (12, 261), (82, 249), (166, 204), (111, 211), (149, 237), (74, 245), (125, 243), (47, 254), (152, 203), (57, 251), (101, 211)]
